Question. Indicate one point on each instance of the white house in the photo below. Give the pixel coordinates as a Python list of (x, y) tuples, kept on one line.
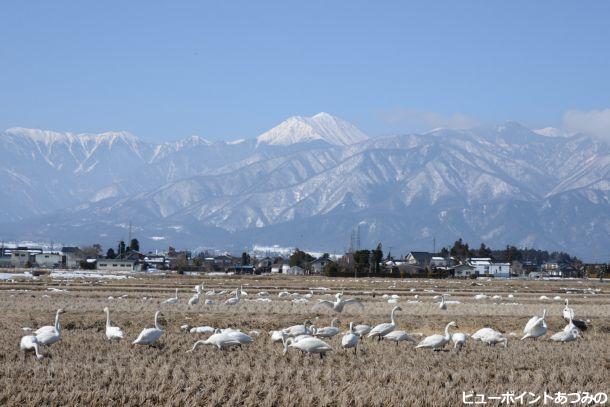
[(295, 271), (499, 269), (116, 265), (485, 266), (280, 268), (481, 265), (47, 259)]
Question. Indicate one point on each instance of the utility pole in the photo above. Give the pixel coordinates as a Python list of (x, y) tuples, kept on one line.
[(433, 245)]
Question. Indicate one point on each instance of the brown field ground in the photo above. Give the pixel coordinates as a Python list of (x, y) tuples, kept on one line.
[(85, 369)]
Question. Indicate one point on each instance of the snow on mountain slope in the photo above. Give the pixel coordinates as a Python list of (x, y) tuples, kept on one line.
[(322, 127), (311, 181)]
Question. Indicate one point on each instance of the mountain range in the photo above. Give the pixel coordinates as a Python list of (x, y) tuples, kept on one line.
[(310, 182)]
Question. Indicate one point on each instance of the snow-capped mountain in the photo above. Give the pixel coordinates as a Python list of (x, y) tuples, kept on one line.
[(321, 127), (309, 182)]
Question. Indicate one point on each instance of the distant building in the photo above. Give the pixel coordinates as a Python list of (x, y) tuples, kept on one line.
[(485, 266), (264, 265), (317, 266), (421, 259), (21, 257), (294, 271), (464, 271), (501, 270), (72, 256), (110, 265), (48, 260)]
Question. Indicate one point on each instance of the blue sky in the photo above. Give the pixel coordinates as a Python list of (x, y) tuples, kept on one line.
[(166, 70)]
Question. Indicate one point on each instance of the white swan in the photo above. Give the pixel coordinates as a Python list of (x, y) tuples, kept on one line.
[(194, 300), (112, 332), (362, 329), (437, 341), (149, 336), (566, 336), (570, 316), (327, 331), (220, 340), (283, 294), (380, 330), (489, 336), (535, 327), (173, 300), (242, 338), (276, 336), (202, 330), (29, 342), (350, 339), (399, 336), (297, 330), (459, 340), (338, 304), (234, 300), (308, 345), (48, 335), (442, 305)]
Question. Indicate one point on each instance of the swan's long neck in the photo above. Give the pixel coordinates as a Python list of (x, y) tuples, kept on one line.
[(334, 321), (287, 342), (447, 331), (107, 318), (157, 321), (544, 314), (351, 327), (392, 316), (176, 293), (57, 325), (200, 342)]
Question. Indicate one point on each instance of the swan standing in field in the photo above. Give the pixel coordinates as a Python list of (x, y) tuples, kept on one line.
[(149, 336), (489, 336), (338, 304), (297, 330), (350, 339), (308, 345), (242, 338), (29, 342), (220, 340), (50, 334), (535, 327), (566, 336), (399, 336), (382, 329), (173, 300), (459, 340), (112, 332), (327, 331), (234, 300), (362, 329), (442, 305), (276, 336), (570, 316), (194, 300), (437, 341)]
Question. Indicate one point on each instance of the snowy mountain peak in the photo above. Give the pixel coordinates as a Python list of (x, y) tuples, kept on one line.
[(551, 132), (48, 137), (322, 127)]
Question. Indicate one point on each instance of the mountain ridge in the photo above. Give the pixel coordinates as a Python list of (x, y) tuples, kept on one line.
[(499, 185)]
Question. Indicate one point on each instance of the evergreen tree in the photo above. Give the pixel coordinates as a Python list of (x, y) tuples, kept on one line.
[(121, 250), (376, 258), (245, 259), (110, 254), (134, 245)]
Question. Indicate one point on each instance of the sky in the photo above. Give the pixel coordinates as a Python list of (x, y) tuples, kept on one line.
[(231, 70)]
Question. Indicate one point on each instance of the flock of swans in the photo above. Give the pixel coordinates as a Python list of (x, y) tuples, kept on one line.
[(307, 337)]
